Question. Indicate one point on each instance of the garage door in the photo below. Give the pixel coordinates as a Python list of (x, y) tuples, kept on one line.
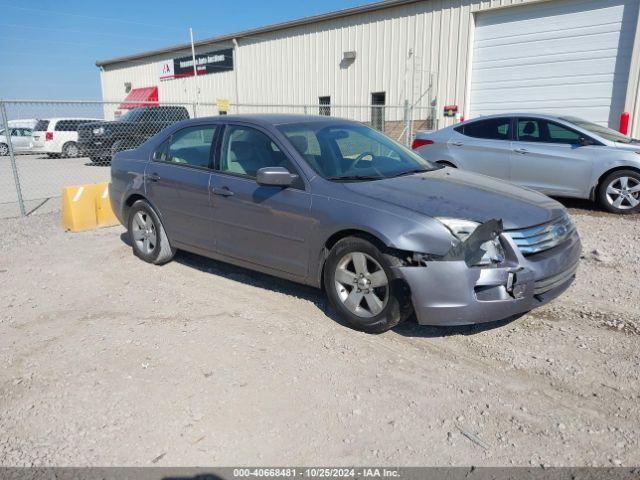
[(559, 57)]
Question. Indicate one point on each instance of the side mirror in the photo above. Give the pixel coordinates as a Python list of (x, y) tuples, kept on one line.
[(585, 142), (274, 177)]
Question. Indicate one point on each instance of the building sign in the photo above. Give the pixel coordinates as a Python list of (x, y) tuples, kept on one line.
[(165, 70), (206, 63)]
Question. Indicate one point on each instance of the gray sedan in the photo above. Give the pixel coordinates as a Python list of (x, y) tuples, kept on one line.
[(560, 156), (339, 206)]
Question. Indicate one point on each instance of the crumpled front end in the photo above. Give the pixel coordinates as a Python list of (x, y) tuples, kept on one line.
[(448, 291)]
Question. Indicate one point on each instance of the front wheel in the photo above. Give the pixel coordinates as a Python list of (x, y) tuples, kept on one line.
[(148, 238), (620, 192), (4, 149), (359, 284)]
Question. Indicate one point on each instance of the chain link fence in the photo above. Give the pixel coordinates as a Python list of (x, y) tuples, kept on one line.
[(47, 145)]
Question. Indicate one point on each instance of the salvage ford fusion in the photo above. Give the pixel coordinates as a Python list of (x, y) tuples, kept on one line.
[(337, 205)]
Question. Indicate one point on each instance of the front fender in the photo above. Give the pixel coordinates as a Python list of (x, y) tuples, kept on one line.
[(405, 231)]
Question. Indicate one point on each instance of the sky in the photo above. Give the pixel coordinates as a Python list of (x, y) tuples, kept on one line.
[(48, 48)]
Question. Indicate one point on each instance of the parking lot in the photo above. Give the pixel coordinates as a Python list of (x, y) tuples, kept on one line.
[(106, 360), (41, 179)]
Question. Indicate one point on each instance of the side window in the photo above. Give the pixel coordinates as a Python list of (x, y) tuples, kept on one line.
[(491, 129), (191, 146), (246, 150), (530, 130), (561, 134)]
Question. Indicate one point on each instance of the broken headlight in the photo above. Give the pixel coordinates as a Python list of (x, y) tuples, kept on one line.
[(492, 251)]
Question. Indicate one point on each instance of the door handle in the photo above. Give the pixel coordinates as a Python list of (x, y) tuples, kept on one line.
[(457, 144), (154, 177), (521, 151), (224, 192)]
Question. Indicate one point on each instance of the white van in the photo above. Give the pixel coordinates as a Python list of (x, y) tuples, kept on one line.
[(58, 136)]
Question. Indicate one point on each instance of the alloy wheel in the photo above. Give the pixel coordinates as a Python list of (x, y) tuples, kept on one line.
[(72, 150), (623, 193), (362, 284), (144, 232), (4, 150)]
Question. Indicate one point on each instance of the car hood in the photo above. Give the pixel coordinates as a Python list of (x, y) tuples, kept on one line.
[(449, 192), (634, 147)]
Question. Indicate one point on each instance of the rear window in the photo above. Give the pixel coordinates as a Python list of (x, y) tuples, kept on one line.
[(41, 126)]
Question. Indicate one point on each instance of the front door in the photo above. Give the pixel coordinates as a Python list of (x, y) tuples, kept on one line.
[(550, 157), (263, 225), (177, 184)]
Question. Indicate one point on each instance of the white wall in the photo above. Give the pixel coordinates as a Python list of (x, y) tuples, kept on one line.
[(299, 64)]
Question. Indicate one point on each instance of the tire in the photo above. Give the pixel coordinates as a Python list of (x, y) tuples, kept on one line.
[(70, 150), (349, 287), (4, 150), (158, 250), (619, 192), (53, 155)]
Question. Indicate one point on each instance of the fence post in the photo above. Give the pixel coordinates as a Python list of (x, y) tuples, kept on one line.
[(407, 124), (14, 168)]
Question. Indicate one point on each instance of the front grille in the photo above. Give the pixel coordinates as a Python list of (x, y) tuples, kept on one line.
[(543, 237), (546, 284)]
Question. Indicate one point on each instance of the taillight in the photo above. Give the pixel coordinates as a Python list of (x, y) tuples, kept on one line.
[(420, 142), (48, 136)]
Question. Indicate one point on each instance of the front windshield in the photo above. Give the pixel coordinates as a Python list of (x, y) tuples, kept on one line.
[(347, 151), (604, 132), (131, 115)]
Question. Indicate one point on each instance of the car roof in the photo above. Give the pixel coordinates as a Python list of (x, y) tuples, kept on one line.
[(547, 116), (277, 119), (58, 119)]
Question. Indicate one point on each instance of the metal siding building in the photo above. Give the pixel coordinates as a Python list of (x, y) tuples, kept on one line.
[(585, 51)]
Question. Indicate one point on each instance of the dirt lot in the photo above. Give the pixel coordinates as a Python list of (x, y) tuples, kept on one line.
[(105, 360)]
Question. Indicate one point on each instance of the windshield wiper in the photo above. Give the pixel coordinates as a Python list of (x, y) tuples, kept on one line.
[(411, 172), (354, 177)]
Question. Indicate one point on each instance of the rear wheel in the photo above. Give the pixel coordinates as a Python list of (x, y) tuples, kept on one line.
[(619, 192), (70, 150), (359, 284), (148, 238)]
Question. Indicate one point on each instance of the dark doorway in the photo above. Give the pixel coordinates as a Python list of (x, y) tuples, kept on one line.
[(378, 100)]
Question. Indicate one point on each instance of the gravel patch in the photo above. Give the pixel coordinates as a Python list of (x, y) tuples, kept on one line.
[(105, 360)]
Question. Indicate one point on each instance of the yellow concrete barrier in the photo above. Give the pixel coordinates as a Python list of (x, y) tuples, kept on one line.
[(85, 207), (79, 208), (104, 214)]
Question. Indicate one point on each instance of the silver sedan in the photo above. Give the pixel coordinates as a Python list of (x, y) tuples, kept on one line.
[(559, 156)]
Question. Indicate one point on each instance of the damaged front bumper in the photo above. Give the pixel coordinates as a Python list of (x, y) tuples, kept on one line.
[(448, 291)]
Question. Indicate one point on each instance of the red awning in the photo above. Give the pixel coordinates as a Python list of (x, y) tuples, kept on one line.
[(137, 95)]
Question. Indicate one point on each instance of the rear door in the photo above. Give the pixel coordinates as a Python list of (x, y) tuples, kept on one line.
[(550, 157), (264, 225), (20, 140), (177, 183), (483, 146), (39, 133)]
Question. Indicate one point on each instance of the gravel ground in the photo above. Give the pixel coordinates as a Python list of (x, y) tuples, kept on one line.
[(105, 360)]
